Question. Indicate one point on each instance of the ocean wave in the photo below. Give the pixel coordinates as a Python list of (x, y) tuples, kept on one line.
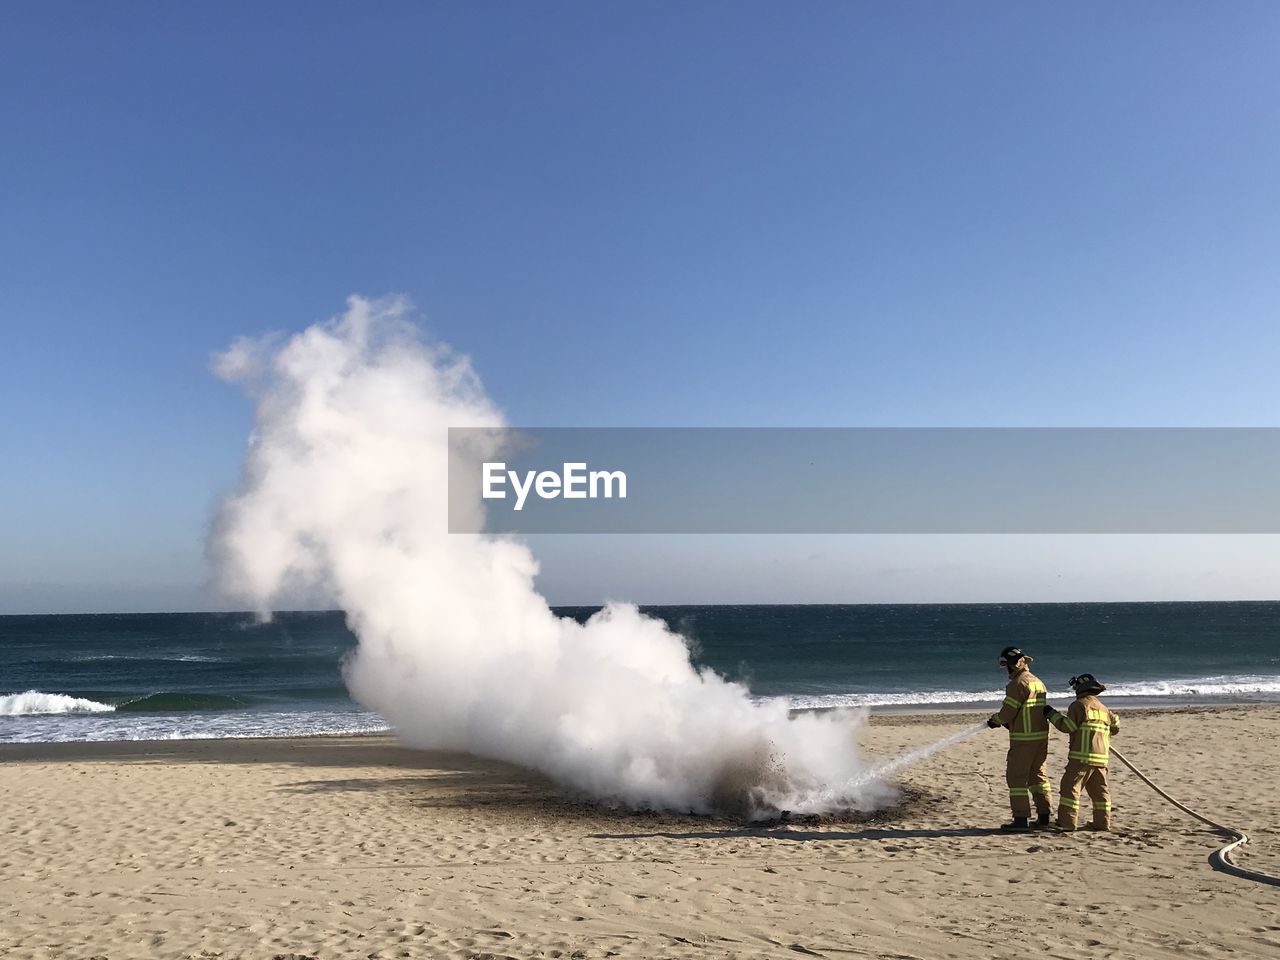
[(147, 658), (905, 699), (1197, 687), (1220, 687), (34, 702), (167, 702), (234, 726)]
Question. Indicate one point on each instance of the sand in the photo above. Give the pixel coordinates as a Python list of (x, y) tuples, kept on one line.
[(358, 848)]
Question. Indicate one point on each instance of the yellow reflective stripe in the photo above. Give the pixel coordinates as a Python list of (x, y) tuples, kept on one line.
[(1034, 735), (1070, 724), (1068, 802), (1019, 792), (1039, 788), (1009, 701), (1035, 699), (1102, 805)]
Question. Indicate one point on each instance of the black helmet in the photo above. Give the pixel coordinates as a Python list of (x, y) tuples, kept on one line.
[(1086, 683), (1011, 655)]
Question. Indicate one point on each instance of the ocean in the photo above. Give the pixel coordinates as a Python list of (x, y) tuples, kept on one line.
[(195, 675)]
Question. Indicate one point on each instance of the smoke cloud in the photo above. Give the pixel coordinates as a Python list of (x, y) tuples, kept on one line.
[(345, 492)]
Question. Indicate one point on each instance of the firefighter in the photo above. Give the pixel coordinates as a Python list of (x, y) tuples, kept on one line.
[(1023, 713), (1091, 726)]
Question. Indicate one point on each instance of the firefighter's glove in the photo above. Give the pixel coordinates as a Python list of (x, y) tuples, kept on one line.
[(1049, 711), (992, 722)]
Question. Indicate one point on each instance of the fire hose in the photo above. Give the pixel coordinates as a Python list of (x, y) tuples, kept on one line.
[(1220, 859)]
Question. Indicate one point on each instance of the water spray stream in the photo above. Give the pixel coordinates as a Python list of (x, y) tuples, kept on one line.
[(837, 797), (889, 768)]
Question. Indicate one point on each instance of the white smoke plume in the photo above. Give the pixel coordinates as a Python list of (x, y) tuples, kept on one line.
[(345, 491)]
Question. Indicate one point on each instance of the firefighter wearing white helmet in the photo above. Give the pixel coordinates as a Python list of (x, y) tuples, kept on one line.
[(1023, 713), (1091, 726)]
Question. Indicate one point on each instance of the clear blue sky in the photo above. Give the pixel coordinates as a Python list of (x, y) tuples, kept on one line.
[(646, 213)]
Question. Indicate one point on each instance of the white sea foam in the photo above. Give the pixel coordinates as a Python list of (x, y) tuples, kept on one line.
[(1219, 686), (34, 702), (1222, 687), (94, 727), (174, 658)]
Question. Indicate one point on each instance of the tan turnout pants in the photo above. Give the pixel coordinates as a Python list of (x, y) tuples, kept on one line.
[(1094, 781), (1027, 778)]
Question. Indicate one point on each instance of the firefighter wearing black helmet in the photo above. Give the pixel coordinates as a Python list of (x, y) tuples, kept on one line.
[(1091, 726), (1023, 713)]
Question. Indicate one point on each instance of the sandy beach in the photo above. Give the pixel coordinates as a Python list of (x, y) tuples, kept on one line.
[(357, 847)]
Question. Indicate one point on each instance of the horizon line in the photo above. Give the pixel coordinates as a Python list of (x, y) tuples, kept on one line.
[(598, 605)]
